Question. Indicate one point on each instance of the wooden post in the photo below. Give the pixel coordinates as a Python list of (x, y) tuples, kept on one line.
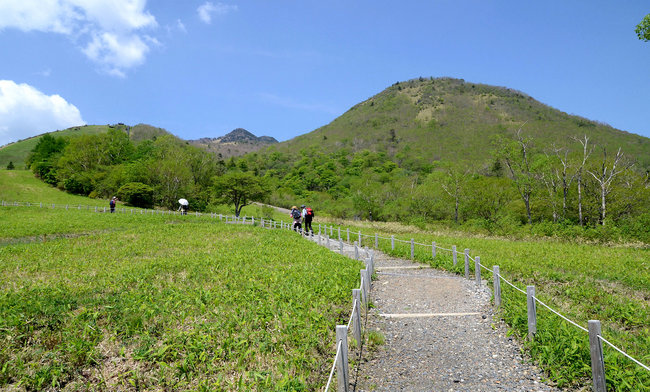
[(343, 370), (477, 270), (356, 317), (392, 242), (339, 233), (597, 360), (331, 230), (319, 239), (454, 254), (341, 245), (364, 292), (376, 241), (433, 249), (368, 280), (356, 251), (466, 255), (359, 237), (348, 231), (328, 241), (412, 248), (532, 314), (497, 286)]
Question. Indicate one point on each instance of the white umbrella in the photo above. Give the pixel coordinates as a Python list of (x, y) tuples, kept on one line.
[(183, 202)]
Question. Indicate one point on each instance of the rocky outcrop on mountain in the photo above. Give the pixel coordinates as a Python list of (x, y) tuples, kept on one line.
[(235, 143)]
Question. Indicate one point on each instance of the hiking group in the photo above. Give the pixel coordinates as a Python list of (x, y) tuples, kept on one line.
[(306, 215)]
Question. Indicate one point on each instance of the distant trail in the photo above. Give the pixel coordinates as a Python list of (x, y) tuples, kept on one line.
[(439, 335)]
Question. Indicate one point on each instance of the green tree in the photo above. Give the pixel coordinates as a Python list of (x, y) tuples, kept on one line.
[(643, 29), (11, 166), (240, 189)]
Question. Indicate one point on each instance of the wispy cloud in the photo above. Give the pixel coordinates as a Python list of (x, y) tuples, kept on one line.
[(294, 104), (44, 73), (26, 111), (207, 9), (180, 26), (109, 32)]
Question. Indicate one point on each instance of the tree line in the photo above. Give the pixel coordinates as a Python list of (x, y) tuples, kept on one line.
[(571, 189)]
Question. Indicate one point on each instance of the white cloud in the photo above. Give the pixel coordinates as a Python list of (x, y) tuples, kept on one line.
[(206, 10), (26, 111), (110, 32)]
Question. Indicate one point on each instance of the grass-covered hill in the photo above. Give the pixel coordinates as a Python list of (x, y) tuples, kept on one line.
[(450, 119), (17, 152)]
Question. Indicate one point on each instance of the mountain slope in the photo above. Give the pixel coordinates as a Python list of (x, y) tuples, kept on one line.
[(450, 119)]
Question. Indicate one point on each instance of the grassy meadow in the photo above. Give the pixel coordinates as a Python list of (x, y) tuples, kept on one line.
[(94, 301)]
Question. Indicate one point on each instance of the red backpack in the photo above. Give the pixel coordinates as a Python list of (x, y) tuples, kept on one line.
[(310, 212)]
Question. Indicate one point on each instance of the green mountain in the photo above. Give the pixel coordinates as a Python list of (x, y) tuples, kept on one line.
[(17, 152), (452, 120)]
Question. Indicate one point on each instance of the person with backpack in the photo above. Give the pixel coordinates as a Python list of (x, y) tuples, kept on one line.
[(308, 215), (296, 216), (112, 204)]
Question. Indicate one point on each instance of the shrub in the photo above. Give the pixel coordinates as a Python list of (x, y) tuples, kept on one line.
[(136, 194), (78, 184), (11, 166)]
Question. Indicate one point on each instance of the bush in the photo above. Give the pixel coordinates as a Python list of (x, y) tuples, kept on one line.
[(78, 184), (11, 166), (136, 194)]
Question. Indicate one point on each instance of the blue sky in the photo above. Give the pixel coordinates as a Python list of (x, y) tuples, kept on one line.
[(284, 68)]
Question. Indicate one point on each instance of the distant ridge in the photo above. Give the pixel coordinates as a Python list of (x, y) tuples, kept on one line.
[(235, 143)]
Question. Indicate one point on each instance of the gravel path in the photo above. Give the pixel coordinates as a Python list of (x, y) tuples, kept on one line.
[(439, 335)]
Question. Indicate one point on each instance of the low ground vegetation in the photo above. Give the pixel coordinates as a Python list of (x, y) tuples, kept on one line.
[(141, 302)]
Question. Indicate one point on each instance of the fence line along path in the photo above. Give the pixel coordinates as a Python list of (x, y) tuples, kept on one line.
[(439, 336)]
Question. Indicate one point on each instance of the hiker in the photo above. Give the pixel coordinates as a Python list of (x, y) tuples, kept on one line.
[(308, 216), (112, 204), (297, 216), (183, 209)]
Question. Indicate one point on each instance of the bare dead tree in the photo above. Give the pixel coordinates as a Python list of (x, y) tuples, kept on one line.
[(550, 177), (605, 177), (563, 176), (586, 152), (456, 178)]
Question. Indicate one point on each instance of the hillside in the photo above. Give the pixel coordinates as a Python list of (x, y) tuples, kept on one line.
[(450, 119), (235, 143), (17, 152)]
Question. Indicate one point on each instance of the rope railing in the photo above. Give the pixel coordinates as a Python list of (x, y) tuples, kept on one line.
[(561, 316), (497, 276), (336, 358), (624, 353)]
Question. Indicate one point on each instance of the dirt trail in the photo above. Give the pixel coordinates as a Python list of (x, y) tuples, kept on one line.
[(439, 335)]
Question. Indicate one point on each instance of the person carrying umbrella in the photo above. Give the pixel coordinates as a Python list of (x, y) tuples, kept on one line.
[(184, 205)]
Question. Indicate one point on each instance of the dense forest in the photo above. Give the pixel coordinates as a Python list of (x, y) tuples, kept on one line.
[(578, 190)]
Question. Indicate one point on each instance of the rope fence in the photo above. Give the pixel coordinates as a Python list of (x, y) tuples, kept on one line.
[(361, 295)]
